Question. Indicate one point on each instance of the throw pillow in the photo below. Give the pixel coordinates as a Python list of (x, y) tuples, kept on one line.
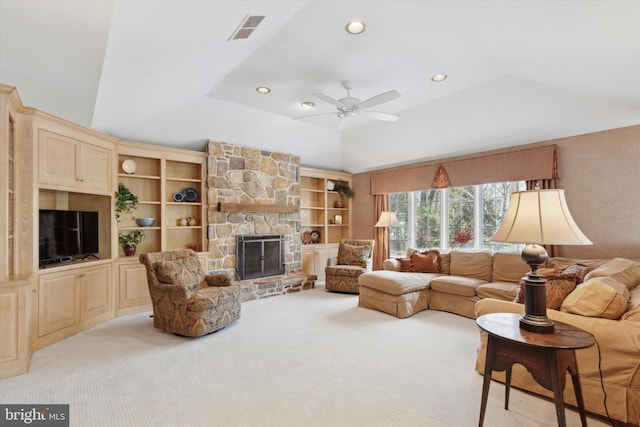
[(353, 255), (558, 287), (623, 270), (579, 270), (425, 262), (598, 297), (175, 273), (405, 264)]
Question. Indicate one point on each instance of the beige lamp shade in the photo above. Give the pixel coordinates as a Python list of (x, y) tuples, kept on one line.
[(387, 219), (542, 217)]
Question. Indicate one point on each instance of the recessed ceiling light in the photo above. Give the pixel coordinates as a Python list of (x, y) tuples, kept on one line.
[(439, 77), (263, 89), (308, 104), (355, 27)]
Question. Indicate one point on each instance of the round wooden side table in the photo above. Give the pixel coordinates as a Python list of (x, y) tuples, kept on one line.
[(546, 356)]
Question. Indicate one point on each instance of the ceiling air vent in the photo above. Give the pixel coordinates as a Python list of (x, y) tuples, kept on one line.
[(246, 27)]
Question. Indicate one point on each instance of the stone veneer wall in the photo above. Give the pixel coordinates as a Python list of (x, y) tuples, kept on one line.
[(239, 174)]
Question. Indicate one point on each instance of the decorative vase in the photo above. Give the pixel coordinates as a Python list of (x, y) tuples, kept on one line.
[(129, 250)]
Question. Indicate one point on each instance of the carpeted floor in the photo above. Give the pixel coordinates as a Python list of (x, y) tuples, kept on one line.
[(307, 359)]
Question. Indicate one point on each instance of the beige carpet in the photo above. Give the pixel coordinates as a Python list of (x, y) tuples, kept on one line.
[(307, 359)]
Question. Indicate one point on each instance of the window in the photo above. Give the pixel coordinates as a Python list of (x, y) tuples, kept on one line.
[(433, 218)]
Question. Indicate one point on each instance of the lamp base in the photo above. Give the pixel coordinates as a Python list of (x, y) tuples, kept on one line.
[(535, 293), (539, 325)]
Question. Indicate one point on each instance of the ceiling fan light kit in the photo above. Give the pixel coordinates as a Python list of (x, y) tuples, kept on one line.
[(350, 106)]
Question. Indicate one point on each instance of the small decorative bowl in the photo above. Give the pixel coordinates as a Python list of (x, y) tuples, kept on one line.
[(145, 222)]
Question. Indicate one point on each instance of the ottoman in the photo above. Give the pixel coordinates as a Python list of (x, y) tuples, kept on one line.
[(400, 294)]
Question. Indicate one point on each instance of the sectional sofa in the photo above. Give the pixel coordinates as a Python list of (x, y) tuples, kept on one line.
[(600, 296)]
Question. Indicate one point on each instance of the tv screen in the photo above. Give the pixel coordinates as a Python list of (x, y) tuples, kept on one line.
[(65, 235)]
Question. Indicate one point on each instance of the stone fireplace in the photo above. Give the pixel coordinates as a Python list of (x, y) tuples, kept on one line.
[(251, 192)]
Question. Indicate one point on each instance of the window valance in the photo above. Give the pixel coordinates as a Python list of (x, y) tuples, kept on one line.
[(495, 166)]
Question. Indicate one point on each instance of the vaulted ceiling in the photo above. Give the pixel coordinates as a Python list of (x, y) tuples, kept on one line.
[(165, 72)]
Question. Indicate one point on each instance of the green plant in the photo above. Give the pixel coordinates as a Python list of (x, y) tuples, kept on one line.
[(131, 239), (126, 201), (342, 188)]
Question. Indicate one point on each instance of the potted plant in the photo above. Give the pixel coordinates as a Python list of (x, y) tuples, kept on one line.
[(343, 189), (130, 241), (126, 201)]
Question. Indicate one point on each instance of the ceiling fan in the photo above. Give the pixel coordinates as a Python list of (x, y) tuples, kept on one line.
[(350, 106)]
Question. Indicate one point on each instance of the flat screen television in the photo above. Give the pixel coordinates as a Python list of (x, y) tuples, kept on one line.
[(67, 235)]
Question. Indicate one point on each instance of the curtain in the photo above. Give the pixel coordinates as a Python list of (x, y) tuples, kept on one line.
[(495, 166), (381, 234)]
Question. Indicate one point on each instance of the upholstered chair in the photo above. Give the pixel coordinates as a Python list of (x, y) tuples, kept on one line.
[(354, 258), (185, 301)]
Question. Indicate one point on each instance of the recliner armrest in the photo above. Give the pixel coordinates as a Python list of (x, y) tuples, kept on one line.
[(217, 280)]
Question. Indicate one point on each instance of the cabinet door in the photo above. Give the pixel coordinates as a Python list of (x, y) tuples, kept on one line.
[(134, 290), (95, 168), (314, 260), (96, 296), (14, 340), (58, 302), (58, 160)]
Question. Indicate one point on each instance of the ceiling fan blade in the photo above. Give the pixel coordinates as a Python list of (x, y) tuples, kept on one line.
[(379, 99), (314, 115), (378, 115), (329, 99)]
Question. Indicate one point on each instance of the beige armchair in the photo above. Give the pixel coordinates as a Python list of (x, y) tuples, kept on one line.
[(354, 258), (185, 301)]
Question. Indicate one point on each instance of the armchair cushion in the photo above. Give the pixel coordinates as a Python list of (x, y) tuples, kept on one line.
[(353, 255), (175, 273)]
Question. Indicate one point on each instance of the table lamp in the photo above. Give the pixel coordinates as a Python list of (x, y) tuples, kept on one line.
[(387, 219), (538, 217)]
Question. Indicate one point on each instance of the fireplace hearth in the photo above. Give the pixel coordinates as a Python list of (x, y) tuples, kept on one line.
[(259, 256)]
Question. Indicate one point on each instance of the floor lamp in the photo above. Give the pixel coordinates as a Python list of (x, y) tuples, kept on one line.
[(538, 217)]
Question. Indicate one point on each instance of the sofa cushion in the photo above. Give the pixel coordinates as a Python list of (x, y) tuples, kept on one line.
[(598, 297), (471, 264), (458, 285), (353, 255), (395, 282), (506, 291), (562, 263), (445, 264), (508, 267), (623, 270)]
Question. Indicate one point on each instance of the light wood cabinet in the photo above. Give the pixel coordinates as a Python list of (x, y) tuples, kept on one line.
[(71, 299), (159, 174), (67, 163), (17, 190), (133, 290), (14, 327)]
